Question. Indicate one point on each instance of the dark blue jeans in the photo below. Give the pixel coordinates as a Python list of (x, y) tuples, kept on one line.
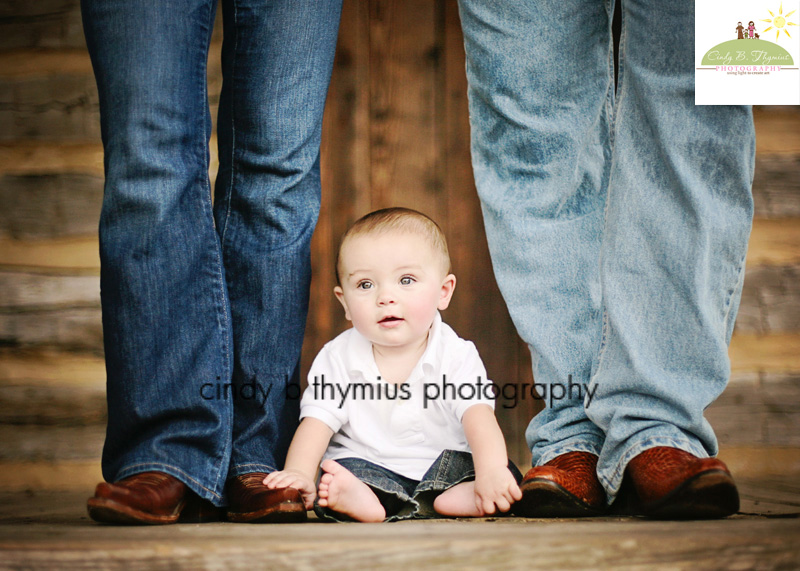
[(204, 307), (404, 498)]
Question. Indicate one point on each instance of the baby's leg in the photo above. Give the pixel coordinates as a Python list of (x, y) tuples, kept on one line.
[(458, 501), (340, 491)]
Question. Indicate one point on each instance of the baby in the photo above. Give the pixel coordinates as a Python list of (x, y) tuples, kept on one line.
[(394, 404)]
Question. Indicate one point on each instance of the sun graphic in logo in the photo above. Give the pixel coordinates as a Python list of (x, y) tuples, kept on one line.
[(779, 22)]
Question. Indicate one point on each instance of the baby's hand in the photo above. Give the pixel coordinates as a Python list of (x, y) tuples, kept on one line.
[(296, 480), (496, 487)]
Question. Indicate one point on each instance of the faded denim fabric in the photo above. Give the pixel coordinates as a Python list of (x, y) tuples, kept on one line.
[(617, 222)]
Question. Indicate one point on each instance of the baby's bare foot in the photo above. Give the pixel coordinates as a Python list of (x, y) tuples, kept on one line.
[(340, 491), (458, 501)]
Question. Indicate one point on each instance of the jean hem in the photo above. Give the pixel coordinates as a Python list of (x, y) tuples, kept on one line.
[(576, 444), (241, 469), (194, 485)]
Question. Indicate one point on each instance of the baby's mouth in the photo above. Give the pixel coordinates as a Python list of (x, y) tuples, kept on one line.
[(390, 319)]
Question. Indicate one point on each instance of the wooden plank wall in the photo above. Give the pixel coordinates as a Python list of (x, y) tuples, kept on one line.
[(396, 132)]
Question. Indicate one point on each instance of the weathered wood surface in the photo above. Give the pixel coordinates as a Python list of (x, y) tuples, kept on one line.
[(52, 475), (26, 158), (33, 443), (46, 388), (44, 63), (769, 495), (43, 23), (778, 353), (66, 255), (758, 460), (774, 242), (75, 329), (39, 531), (770, 300), (63, 107), (51, 368), (27, 291), (52, 405), (767, 544), (50, 205), (758, 408), (776, 186), (776, 130)]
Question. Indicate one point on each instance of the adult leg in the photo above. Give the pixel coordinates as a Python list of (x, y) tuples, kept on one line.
[(678, 220), (165, 311), (540, 94), (277, 59)]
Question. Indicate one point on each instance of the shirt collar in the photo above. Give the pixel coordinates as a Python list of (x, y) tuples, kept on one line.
[(361, 360)]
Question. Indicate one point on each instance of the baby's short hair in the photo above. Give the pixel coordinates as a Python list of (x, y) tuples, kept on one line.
[(401, 219)]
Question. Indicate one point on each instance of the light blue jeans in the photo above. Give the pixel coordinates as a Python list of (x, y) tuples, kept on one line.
[(617, 222), (204, 308)]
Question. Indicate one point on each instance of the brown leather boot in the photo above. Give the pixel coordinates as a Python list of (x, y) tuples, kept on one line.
[(149, 498), (672, 484), (566, 486), (252, 502)]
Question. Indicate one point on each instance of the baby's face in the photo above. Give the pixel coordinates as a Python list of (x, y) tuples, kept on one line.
[(392, 284)]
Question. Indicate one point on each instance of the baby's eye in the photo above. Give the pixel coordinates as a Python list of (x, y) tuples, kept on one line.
[(407, 280), (364, 285)]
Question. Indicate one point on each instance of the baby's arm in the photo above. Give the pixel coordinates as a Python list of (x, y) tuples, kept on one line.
[(494, 483), (305, 453)]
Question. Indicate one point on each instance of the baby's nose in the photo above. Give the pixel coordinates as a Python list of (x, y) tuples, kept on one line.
[(386, 296)]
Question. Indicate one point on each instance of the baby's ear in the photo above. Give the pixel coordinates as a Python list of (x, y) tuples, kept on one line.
[(339, 293), (448, 286)]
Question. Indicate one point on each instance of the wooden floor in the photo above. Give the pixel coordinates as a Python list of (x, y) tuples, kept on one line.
[(50, 530)]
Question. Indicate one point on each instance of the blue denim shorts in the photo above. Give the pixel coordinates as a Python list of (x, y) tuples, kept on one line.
[(404, 498)]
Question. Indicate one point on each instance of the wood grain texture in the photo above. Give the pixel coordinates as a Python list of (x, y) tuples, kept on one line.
[(48, 443), (62, 475), (777, 353), (777, 130), (47, 368), (776, 186), (774, 242), (50, 108), (758, 409), (65, 539), (770, 300), (404, 80), (43, 23), (26, 157), (44, 62), (77, 255), (50, 205), (76, 329), (31, 292), (52, 405), (757, 461)]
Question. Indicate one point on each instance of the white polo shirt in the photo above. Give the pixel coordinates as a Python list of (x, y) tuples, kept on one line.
[(401, 427)]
